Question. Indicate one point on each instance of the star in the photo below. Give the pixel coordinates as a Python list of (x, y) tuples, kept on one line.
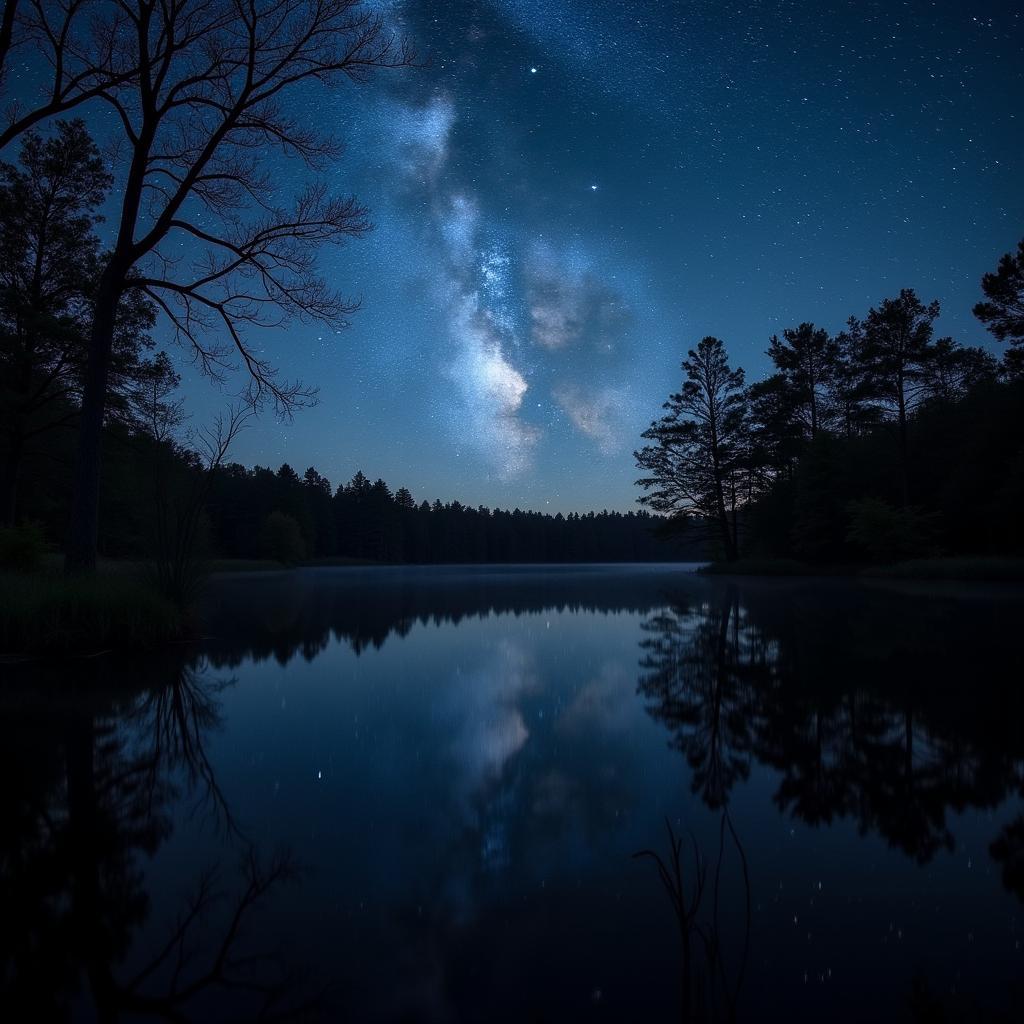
[(533, 71), (593, 188)]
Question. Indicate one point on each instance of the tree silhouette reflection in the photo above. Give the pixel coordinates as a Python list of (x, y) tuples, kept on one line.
[(892, 720), (89, 783)]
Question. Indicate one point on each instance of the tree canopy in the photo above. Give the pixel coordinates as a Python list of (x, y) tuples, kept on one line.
[(878, 444)]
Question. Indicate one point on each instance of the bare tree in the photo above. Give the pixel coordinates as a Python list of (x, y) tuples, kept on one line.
[(201, 90), (86, 46)]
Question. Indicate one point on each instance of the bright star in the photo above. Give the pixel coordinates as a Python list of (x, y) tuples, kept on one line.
[(533, 71), (593, 188)]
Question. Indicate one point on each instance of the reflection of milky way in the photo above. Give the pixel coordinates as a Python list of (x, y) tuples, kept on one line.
[(490, 727)]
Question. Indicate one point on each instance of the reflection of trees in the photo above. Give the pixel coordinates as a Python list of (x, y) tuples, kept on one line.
[(872, 706), (175, 720), (1007, 848), (86, 799), (698, 675), (279, 617)]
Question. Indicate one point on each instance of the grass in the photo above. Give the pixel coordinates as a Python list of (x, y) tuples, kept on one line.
[(46, 614)]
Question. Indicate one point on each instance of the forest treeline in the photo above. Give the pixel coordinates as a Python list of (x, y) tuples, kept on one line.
[(878, 444), (284, 516), (260, 512)]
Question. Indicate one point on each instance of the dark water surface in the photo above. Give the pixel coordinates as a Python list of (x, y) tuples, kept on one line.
[(416, 795)]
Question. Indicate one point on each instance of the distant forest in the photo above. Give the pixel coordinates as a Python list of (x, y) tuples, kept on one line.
[(278, 514)]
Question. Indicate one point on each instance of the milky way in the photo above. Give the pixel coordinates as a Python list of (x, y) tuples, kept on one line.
[(570, 193)]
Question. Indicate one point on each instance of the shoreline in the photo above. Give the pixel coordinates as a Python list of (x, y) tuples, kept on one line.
[(982, 569)]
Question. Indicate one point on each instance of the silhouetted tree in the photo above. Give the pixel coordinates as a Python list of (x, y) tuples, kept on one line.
[(207, 96), (775, 437), (892, 349), (698, 453), (806, 357), (852, 393), (83, 51), (1003, 313), (49, 264), (953, 370)]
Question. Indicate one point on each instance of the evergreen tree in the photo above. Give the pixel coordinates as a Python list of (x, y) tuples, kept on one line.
[(806, 358), (892, 350), (49, 266), (694, 465), (1003, 313)]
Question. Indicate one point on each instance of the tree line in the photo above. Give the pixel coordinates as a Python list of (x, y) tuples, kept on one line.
[(879, 443), (288, 517)]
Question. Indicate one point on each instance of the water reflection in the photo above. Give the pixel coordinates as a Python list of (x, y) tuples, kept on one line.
[(710, 982), (283, 616), (868, 704), (93, 778), (467, 761)]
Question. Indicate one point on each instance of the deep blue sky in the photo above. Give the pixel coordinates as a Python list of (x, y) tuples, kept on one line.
[(574, 192)]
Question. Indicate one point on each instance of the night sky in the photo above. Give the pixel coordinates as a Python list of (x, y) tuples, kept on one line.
[(574, 192)]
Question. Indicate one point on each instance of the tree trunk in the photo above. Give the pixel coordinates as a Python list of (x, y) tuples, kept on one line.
[(723, 524), (12, 471), (904, 474), (83, 531)]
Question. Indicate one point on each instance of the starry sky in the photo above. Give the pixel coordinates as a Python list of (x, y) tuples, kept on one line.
[(571, 193)]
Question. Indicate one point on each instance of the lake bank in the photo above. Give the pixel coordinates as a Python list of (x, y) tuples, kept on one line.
[(982, 570)]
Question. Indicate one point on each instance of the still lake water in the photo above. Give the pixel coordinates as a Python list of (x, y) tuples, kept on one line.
[(417, 795)]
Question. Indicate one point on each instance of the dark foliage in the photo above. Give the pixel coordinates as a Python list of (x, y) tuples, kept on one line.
[(277, 514), (1003, 313), (281, 515), (876, 446), (50, 258)]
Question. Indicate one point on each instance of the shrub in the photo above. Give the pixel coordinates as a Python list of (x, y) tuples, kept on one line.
[(52, 614), (21, 547), (886, 534)]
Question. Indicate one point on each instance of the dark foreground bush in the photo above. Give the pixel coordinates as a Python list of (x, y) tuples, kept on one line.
[(21, 547), (48, 614)]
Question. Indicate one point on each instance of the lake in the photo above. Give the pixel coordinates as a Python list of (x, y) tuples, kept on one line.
[(423, 794)]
